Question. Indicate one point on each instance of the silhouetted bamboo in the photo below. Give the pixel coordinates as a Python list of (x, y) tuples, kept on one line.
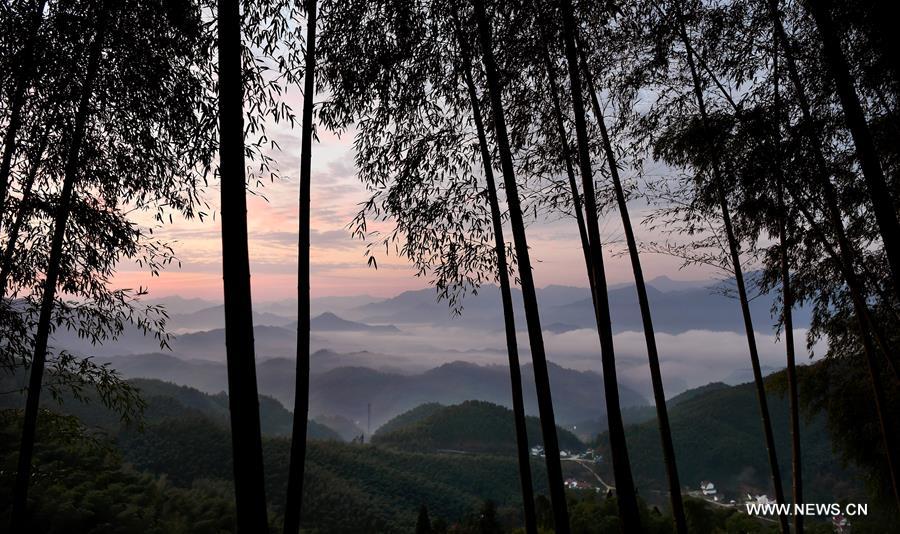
[(733, 249), (879, 193), (846, 255), (849, 256), (509, 320), (25, 72), (787, 303), (867, 327), (294, 503), (23, 211), (48, 297), (570, 171), (627, 498), (659, 395), (529, 296), (243, 398), (793, 392)]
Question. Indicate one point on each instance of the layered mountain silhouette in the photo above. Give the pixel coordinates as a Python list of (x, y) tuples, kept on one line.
[(348, 391), (270, 341), (682, 308), (199, 333), (329, 322), (214, 317)]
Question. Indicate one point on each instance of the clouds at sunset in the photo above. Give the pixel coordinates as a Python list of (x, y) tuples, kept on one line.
[(338, 262)]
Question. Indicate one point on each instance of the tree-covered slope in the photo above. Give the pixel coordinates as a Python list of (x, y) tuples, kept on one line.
[(472, 426), (173, 475), (82, 485), (410, 417), (165, 401), (718, 436), (183, 448)]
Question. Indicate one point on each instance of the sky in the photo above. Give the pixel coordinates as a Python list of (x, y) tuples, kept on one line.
[(338, 263), (339, 268)]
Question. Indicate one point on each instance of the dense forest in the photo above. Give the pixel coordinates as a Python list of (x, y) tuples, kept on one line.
[(448, 428), (753, 139), (172, 473)]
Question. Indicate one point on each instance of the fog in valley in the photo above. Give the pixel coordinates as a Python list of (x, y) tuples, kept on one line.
[(396, 353)]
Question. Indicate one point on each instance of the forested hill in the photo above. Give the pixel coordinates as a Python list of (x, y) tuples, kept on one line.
[(471, 427), (718, 437), (166, 401), (175, 470), (410, 417)]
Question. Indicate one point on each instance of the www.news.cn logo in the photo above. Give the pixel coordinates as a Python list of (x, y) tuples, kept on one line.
[(810, 509)]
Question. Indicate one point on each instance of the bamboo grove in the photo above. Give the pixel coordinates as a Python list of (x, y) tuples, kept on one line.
[(763, 134)]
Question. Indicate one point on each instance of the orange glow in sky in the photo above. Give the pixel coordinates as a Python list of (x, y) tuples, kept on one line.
[(338, 263)]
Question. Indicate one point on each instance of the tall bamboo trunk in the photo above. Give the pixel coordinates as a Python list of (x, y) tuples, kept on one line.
[(532, 317), (793, 391), (23, 211), (627, 497), (243, 398), (659, 395), (570, 171), (509, 320), (294, 503), (733, 249), (879, 192), (23, 81), (846, 259), (868, 329), (42, 335), (849, 256), (787, 298)]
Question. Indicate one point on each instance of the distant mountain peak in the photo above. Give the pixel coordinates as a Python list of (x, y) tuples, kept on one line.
[(329, 321), (456, 365)]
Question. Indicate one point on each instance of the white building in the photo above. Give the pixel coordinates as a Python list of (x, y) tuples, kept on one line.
[(708, 488)]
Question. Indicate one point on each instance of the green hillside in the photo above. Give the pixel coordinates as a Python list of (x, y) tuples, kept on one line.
[(410, 417), (165, 401), (718, 436), (173, 474), (82, 485), (473, 427), (183, 451), (696, 392)]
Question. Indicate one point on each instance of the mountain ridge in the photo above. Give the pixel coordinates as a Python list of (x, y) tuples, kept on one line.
[(347, 391)]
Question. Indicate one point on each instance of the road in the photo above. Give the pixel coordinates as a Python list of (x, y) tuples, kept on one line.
[(585, 464)]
